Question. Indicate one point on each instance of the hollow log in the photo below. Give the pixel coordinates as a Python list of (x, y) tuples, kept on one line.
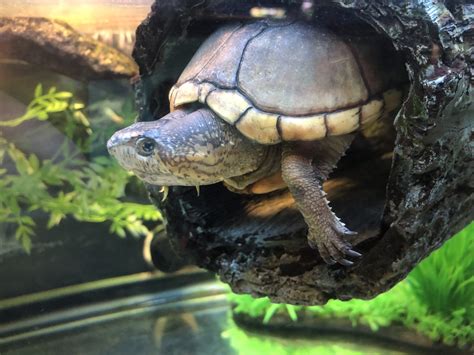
[(404, 198)]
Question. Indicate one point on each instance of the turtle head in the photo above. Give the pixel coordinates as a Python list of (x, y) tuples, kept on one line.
[(138, 148), (185, 148)]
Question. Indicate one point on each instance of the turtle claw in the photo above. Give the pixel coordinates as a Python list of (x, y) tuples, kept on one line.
[(346, 262), (164, 190), (332, 247), (353, 253)]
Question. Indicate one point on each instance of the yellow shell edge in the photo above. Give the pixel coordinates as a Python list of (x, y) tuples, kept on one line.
[(302, 128), (171, 97), (371, 111), (342, 122), (259, 126), (186, 93), (228, 104)]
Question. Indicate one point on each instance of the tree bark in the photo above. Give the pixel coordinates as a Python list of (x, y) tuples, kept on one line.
[(403, 208)]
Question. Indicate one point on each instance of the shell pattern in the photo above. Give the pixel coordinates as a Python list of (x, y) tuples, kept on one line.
[(289, 81)]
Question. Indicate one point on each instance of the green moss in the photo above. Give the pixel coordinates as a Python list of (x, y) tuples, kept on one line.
[(436, 299)]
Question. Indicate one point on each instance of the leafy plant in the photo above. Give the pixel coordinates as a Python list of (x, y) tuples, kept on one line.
[(436, 299), (43, 105), (91, 191)]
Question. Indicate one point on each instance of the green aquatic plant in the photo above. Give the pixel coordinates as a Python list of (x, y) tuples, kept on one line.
[(436, 299), (90, 190), (444, 282), (44, 104)]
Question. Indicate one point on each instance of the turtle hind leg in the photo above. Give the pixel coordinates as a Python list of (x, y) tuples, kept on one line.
[(305, 165)]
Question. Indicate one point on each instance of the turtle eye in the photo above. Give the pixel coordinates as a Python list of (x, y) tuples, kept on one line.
[(145, 146)]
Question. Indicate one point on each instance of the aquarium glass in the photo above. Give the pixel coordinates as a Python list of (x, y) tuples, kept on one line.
[(77, 231)]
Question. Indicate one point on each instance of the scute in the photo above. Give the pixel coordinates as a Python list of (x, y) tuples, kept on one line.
[(188, 92), (380, 68), (228, 104), (306, 70), (259, 126), (371, 111), (217, 61), (303, 128), (207, 52), (343, 122)]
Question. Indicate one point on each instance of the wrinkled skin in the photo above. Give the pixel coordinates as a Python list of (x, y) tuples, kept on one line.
[(195, 147)]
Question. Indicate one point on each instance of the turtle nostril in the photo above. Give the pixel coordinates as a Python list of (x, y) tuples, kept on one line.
[(112, 144)]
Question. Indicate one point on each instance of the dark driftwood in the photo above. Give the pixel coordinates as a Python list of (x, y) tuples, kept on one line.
[(57, 46), (403, 208)]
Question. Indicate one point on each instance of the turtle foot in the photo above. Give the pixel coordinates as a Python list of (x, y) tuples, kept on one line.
[(304, 171), (331, 244)]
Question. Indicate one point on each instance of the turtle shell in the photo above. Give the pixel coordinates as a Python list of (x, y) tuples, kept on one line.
[(289, 81)]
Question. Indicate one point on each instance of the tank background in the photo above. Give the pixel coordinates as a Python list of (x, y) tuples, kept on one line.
[(73, 252)]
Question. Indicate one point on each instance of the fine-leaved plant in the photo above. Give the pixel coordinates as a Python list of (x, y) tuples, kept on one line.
[(90, 190)]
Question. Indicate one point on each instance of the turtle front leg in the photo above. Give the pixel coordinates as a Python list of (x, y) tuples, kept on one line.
[(305, 166)]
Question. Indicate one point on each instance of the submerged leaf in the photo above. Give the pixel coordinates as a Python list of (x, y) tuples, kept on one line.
[(63, 95), (38, 90)]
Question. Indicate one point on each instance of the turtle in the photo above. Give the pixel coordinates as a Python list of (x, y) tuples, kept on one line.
[(264, 106)]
